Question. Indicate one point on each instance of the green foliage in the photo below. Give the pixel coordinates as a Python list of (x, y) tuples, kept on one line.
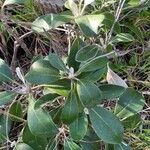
[(16, 110), (86, 53), (129, 103), (132, 122), (48, 73), (76, 46), (4, 130), (44, 99), (111, 92), (71, 5), (88, 93), (122, 146), (106, 125), (61, 87), (122, 37), (70, 109), (93, 65), (10, 2), (67, 104), (6, 97), (89, 24), (70, 145), (50, 21), (23, 146), (34, 141), (80, 101), (80, 124), (5, 72), (56, 62), (39, 121)]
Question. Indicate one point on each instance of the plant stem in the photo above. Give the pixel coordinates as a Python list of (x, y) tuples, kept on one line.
[(117, 15)]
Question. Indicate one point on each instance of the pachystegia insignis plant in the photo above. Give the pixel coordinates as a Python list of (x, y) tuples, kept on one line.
[(70, 113)]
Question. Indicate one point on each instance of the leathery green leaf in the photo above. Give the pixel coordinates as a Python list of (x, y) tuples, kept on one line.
[(70, 145), (5, 72), (5, 126), (88, 93), (108, 23), (70, 110), (92, 65), (37, 143), (23, 146), (86, 53), (122, 37), (75, 47), (56, 62), (44, 99), (89, 24), (16, 110), (129, 103), (132, 122), (40, 122), (50, 21), (78, 128), (106, 125), (6, 97), (110, 92), (71, 5), (41, 72), (61, 87), (122, 146), (90, 139), (56, 115), (10, 2), (93, 76)]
